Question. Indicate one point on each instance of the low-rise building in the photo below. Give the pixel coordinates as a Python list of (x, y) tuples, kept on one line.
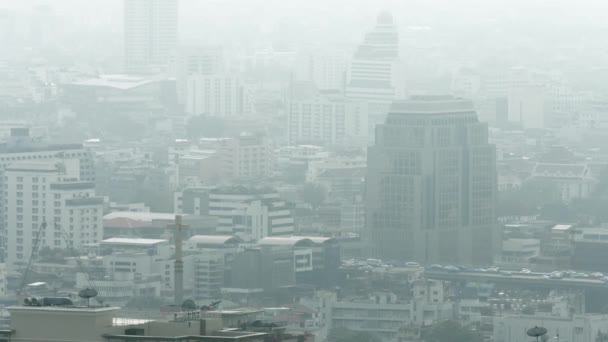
[(570, 328), (250, 213), (384, 314), (572, 180)]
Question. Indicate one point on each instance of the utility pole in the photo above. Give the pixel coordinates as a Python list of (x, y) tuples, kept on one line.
[(178, 275)]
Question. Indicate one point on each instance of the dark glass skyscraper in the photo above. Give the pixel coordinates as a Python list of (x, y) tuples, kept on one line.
[(431, 184)]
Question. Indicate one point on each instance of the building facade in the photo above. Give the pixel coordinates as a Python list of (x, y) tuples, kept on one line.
[(216, 95), (150, 33), (46, 205), (250, 213), (431, 184), (374, 75), (326, 118)]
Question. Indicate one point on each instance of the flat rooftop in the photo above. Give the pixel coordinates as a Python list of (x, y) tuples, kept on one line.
[(141, 216), (63, 309), (132, 241)]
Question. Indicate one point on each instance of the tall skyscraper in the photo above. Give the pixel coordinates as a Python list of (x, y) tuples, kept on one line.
[(374, 75), (431, 184), (150, 30)]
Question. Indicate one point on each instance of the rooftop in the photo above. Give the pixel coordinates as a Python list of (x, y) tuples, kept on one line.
[(432, 105), (293, 240), (140, 216), (121, 82), (218, 240), (63, 309), (132, 241)]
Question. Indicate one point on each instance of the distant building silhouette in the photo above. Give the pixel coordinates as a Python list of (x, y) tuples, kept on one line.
[(374, 74), (150, 34), (431, 184)]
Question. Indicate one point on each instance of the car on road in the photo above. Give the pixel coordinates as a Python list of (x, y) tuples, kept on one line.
[(556, 275), (451, 268), (598, 275), (436, 267), (412, 264), (525, 271)]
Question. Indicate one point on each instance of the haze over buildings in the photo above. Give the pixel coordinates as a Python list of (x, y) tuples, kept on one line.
[(265, 170)]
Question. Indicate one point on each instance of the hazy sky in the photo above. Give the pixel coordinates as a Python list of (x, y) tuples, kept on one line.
[(341, 21)]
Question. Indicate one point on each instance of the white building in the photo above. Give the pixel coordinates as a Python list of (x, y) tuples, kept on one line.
[(196, 60), (375, 74), (326, 118), (248, 156), (21, 147), (572, 180), (383, 314), (326, 70), (250, 213), (44, 193), (217, 95), (150, 33)]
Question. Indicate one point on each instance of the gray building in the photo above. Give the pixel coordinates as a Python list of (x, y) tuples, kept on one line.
[(431, 184)]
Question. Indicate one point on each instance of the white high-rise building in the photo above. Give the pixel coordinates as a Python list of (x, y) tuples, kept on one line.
[(196, 60), (326, 70), (150, 33), (326, 118), (21, 147), (375, 74), (49, 193), (217, 95)]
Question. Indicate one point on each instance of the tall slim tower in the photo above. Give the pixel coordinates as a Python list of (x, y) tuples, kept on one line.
[(150, 31), (431, 184)]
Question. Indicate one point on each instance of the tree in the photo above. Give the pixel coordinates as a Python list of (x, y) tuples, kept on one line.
[(313, 194), (188, 305), (346, 335), (533, 195), (450, 331)]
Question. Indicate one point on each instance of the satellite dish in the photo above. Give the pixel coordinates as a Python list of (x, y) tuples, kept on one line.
[(536, 331), (87, 293)]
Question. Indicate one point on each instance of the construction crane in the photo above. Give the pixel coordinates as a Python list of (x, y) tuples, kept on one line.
[(87, 293), (28, 266)]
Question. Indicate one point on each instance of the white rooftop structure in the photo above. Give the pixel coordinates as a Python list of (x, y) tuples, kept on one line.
[(133, 241), (140, 216)]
